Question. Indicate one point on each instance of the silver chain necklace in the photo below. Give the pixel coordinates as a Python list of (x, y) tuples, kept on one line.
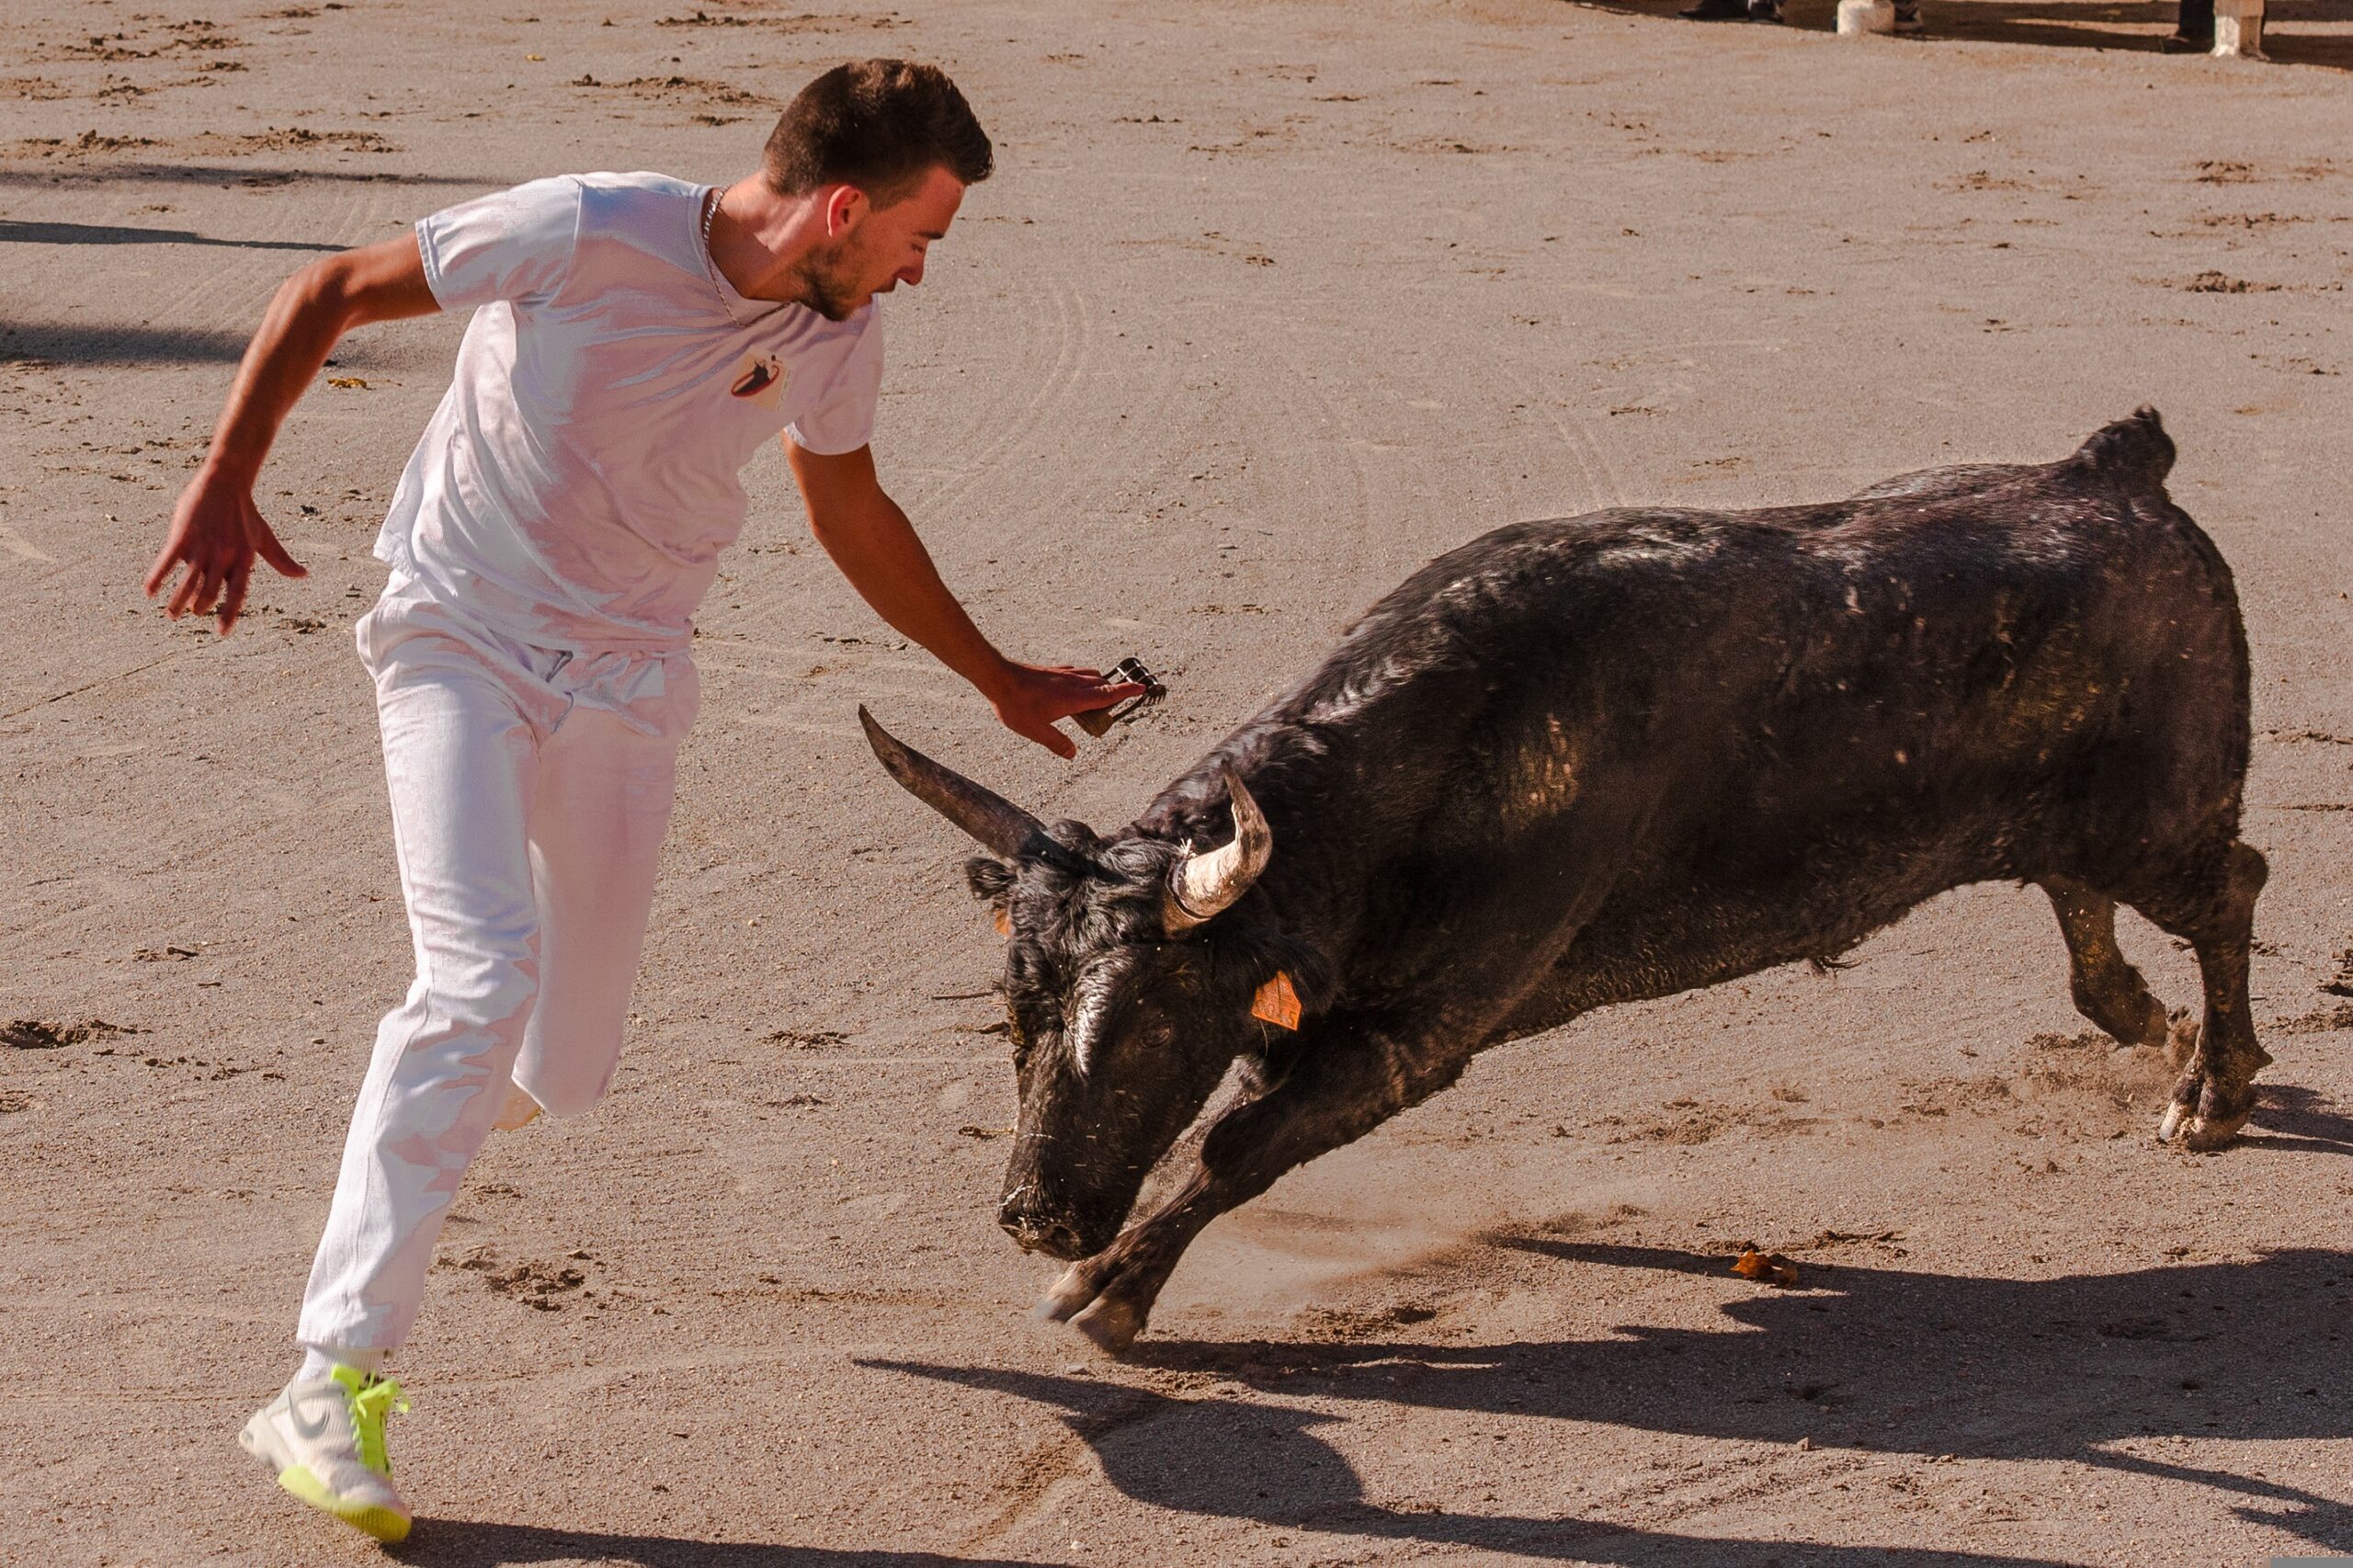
[(711, 262)]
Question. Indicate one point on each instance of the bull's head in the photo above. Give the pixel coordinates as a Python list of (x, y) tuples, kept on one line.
[(1127, 996)]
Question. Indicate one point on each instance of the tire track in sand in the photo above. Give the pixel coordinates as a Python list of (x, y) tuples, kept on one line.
[(1054, 390), (1576, 435)]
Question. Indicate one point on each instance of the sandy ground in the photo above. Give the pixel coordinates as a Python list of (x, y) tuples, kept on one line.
[(1268, 303)]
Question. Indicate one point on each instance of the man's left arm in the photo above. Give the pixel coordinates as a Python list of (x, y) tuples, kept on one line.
[(875, 548)]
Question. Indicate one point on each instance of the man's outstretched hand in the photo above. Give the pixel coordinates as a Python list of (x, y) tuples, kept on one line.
[(1030, 697), (216, 532)]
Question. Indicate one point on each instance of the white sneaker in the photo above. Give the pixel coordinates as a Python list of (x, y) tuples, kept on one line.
[(325, 1439)]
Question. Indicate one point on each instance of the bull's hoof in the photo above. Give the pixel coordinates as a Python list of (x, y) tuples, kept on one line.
[(2204, 1134), (2204, 1118), (2199, 1133), (2216, 1093), (2167, 1125), (1085, 1297), (1070, 1295), (1112, 1324)]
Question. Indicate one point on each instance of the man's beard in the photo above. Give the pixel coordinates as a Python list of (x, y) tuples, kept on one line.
[(824, 278)]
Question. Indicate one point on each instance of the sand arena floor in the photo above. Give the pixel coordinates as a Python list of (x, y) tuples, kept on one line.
[(1268, 303)]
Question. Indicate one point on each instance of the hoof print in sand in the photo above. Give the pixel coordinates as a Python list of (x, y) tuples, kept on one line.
[(539, 1285), (32, 1034), (1335, 1324)]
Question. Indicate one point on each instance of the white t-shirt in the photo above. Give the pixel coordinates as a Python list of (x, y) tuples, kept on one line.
[(581, 476)]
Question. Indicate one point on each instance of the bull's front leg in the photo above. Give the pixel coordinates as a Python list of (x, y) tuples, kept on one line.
[(1347, 1084)]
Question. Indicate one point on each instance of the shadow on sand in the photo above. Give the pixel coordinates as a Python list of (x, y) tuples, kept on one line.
[(1869, 1358), (462, 1543), (61, 343), (2290, 1116), (95, 172), (18, 232)]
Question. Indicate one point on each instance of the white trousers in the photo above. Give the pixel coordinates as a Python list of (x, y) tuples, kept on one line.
[(530, 789)]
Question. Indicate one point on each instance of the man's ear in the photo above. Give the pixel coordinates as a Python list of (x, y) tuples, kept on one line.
[(845, 204), (992, 882)]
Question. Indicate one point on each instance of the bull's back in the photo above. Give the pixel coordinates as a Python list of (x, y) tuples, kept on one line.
[(1985, 675), (1790, 726)]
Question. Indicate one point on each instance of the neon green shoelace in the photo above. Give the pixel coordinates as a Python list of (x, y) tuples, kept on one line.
[(370, 1403)]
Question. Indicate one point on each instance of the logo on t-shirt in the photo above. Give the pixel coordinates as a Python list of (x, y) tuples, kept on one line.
[(759, 379)]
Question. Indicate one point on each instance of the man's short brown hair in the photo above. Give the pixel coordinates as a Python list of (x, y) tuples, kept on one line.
[(879, 125)]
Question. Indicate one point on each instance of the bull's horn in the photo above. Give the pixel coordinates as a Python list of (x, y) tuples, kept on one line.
[(997, 823), (1204, 886)]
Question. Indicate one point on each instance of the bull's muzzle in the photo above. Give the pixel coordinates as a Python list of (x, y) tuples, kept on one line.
[(1036, 1231)]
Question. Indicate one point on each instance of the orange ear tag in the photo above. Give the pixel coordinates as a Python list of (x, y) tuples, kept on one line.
[(1277, 1003), (1004, 924)]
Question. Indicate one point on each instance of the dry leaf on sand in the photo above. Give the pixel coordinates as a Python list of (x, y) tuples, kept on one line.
[(1771, 1267)]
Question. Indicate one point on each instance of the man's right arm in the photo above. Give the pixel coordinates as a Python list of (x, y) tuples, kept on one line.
[(216, 530)]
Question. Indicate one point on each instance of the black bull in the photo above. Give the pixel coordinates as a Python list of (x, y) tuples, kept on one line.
[(1592, 761)]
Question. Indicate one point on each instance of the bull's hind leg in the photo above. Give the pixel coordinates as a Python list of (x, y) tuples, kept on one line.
[(2107, 989), (2213, 908)]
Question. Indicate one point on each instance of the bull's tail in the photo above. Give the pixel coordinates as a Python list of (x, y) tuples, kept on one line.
[(2135, 451)]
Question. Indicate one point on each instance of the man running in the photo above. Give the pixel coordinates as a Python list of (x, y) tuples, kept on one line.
[(635, 340)]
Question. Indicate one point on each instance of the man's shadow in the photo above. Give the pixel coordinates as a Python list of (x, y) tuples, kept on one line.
[(1866, 1357)]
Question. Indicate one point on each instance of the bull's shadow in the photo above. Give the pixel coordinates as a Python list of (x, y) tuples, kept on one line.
[(450, 1544), (1866, 1357), (2289, 1116), (1238, 1458), (464, 1543)]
